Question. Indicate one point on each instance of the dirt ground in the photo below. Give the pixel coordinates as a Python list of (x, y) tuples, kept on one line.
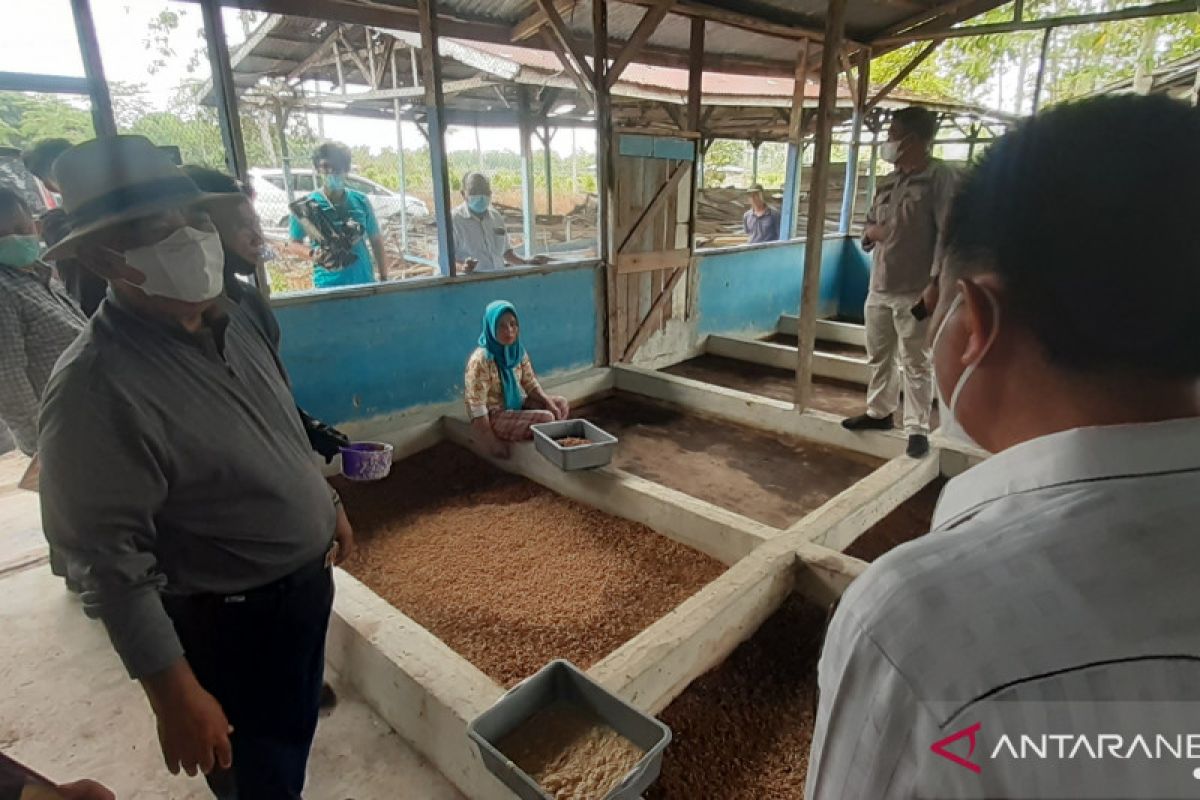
[(837, 397), (507, 573), (771, 478), (910, 519), (743, 730)]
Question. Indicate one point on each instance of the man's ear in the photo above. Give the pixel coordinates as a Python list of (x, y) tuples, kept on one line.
[(979, 317)]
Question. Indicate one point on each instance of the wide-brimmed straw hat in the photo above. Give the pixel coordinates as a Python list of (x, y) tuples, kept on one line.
[(105, 182)]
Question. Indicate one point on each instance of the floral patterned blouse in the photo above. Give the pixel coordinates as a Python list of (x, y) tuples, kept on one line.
[(484, 390)]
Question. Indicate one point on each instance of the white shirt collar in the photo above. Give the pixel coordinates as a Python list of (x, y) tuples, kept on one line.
[(1073, 456)]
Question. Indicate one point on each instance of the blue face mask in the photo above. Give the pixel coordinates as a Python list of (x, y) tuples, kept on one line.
[(334, 183), (478, 203), (19, 250)]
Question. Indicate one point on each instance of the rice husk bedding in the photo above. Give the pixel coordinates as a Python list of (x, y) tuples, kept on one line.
[(571, 753), (507, 573), (571, 441), (742, 731), (909, 520)]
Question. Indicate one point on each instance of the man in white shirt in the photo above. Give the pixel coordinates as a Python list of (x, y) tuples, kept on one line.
[(480, 239), (1053, 614)]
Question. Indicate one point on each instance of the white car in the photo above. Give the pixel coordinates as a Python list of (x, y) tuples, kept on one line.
[(271, 201)]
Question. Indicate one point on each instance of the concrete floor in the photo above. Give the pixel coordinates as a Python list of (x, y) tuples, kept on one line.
[(68, 710)]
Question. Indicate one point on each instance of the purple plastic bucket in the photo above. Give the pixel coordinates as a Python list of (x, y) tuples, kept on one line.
[(366, 461)]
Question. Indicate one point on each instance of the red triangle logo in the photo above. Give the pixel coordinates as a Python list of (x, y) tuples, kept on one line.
[(939, 747)]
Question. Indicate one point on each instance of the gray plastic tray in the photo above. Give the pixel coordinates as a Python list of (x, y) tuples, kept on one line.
[(562, 681), (585, 456)]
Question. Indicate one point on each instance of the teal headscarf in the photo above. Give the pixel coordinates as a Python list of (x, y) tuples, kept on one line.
[(507, 357)]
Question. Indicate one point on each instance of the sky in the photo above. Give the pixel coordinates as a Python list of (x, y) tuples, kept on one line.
[(46, 45)]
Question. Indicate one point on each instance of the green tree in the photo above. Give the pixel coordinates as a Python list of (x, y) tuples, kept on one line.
[(26, 118)]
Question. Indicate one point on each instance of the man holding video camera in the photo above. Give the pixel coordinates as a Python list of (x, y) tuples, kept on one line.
[(346, 222)]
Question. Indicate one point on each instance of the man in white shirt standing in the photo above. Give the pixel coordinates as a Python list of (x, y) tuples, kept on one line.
[(1056, 597), (480, 239)]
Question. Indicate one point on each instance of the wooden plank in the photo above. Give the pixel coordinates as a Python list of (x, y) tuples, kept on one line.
[(810, 287), (628, 263), (534, 22), (585, 89), (637, 40), (562, 33), (654, 205), (851, 84), (647, 131), (644, 329), (904, 72)]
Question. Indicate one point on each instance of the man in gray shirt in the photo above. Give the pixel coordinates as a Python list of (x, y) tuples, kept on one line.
[(480, 239), (903, 225), (178, 482)]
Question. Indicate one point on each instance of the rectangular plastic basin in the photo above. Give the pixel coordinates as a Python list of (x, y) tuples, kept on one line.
[(597, 453), (562, 682)]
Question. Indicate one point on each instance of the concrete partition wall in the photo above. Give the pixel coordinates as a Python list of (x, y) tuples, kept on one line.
[(743, 290), (375, 351), (854, 280)]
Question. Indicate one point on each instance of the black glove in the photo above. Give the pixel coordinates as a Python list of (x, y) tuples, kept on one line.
[(324, 439)]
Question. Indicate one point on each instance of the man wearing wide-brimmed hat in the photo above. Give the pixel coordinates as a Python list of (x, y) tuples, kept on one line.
[(177, 481)]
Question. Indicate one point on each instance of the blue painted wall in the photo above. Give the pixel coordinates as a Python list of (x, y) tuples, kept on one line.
[(356, 357), (855, 280), (743, 291)]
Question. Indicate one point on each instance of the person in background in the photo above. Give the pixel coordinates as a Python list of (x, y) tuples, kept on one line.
[(761, 222), (242, 240), (178, 482), (903, 225), (1059, 582), (503, 395), (85, 286), (331, 163), (37, 322), (480, 239)]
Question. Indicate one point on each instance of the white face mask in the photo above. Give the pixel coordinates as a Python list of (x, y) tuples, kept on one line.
[(950, 427), (889, 151), (188, 265)]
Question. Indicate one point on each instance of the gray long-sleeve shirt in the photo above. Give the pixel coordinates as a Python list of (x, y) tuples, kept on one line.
[(175, 462)]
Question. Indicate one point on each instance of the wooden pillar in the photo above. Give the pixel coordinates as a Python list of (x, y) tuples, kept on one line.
[(400, 172), (835, 23), (93, 68), (1041, 73), (285, 154), (850, 185), (695, 98), (754, 162), (525, 128), (972, 142), (795, 148), (604, 174), (431, 77), (224, 89), (549, 162)]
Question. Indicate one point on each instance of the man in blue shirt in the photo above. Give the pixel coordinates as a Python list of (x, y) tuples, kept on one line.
[(761, 222), (331, 162)]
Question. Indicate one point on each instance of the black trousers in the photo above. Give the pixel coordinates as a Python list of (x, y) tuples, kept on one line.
[(262, 656)]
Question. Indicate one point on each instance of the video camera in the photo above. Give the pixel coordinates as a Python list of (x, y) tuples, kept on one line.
[(333, 234)]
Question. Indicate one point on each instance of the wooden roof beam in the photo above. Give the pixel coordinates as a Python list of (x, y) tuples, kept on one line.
[(531, 25), (637, 40), (559, 30)]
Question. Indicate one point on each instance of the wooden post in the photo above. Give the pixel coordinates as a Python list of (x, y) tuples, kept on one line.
[(795, 149), (1041, 73), (605, 151), (431, 72), (835, 22), (695, 99), (224, 89), (973, 141), (754, 162), (93, 67), (285, 154), (400, 173), (549, 164), (850, 184), (525, 128)]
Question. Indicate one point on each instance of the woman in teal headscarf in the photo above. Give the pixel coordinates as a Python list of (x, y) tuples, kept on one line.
[(503, 395)]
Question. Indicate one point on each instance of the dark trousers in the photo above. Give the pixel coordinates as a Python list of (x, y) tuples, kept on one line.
[(262, 656)]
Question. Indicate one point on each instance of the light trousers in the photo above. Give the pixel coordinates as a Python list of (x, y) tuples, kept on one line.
[(897, 348)]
